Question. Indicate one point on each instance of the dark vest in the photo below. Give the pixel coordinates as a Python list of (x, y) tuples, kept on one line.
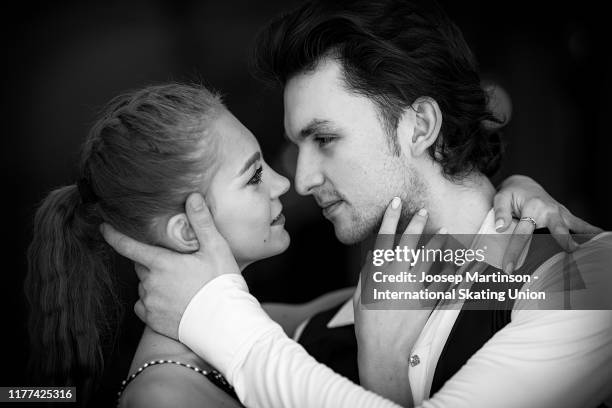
[(337, 347)]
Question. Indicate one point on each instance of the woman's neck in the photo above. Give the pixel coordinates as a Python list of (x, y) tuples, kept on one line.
[(155, 346)]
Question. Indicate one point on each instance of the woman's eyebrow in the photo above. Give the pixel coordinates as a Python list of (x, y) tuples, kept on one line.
[(256, 156)]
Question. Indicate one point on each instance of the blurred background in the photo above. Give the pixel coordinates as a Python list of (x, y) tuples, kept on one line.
[(63, 61)]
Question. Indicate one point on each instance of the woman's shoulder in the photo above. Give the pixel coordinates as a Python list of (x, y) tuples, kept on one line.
[(170, 384), (165, 385)]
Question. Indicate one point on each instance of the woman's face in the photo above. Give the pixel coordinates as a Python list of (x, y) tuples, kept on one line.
[(243, 196)]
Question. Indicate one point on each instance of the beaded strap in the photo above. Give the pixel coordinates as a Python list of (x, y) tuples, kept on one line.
[(213, 376)]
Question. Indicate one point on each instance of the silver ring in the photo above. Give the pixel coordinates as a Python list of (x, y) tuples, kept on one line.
[(531, 220)]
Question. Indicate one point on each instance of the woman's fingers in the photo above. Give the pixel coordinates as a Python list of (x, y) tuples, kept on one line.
[(436, 244), (560, 232), (502, 205), (579, 226), (391, 217), (448, 269), (415, 228), (520, 237), (357, 295), (388, 227)]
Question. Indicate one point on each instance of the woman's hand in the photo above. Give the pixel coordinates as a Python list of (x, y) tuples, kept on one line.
[(524, 198), (386, 335)]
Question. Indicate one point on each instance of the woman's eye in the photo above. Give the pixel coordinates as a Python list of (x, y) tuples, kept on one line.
[(256, 179)]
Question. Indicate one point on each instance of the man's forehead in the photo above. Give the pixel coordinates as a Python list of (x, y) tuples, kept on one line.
[(311, 99), (325, 75)]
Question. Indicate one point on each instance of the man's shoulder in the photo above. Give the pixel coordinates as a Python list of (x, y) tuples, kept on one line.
[(580, 280), (593, 255)]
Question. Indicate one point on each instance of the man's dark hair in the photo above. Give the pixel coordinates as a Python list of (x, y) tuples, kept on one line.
[(391, 51)]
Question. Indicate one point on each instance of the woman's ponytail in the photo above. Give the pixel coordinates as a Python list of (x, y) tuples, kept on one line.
[(70, 292), (140, 161)]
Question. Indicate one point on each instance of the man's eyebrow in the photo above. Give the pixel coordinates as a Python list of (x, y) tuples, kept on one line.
[(256, 156), (315, 126)]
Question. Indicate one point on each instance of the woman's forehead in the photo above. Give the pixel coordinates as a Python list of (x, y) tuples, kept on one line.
[(237, 143)]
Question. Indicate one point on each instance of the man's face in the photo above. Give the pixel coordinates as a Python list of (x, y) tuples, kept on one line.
[(344, 159)]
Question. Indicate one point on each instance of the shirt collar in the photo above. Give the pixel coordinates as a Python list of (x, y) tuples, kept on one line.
[(495, 242), (343, 317)]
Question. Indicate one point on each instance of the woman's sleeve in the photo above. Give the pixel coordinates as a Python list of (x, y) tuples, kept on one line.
[(542, 358), (226, 326)]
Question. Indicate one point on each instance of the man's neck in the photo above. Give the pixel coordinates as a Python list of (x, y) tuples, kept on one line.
[(460, 207)]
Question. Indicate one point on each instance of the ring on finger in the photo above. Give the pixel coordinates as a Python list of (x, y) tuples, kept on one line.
[(531, 220)]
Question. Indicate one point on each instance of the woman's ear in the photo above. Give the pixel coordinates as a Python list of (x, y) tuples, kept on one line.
[(180, 235), (420, 125)]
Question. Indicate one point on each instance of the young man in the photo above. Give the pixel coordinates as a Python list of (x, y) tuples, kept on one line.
[(383, 100)]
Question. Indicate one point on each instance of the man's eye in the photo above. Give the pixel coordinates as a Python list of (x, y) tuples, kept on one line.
[(323, 140), (256, 179)]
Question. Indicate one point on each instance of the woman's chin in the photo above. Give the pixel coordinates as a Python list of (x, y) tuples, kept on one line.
[(276, 246)]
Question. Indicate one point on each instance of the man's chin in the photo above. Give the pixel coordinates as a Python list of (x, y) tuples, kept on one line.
[(350, 235)]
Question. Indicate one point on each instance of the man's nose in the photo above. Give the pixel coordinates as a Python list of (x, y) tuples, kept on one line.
[(307, 174)]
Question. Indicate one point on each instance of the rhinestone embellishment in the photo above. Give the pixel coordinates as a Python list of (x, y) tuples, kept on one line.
[(212, 375)]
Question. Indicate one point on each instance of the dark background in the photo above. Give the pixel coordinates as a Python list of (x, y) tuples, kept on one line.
[(64, 61)]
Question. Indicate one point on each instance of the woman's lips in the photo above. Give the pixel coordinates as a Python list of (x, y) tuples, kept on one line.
[(279, 220)]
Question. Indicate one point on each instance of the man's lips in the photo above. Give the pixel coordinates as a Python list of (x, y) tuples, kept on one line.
[(325, 204), (330, 207)]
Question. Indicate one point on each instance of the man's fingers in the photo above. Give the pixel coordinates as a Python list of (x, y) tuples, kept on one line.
[(388, 227), (520, 237), (140, 310), (130, 248), (502, 205), (201, 220)]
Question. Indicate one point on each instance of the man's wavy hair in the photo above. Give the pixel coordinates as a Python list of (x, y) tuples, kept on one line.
[(392, 51)]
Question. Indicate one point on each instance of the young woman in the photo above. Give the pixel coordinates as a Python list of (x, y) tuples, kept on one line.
[(149, 150)]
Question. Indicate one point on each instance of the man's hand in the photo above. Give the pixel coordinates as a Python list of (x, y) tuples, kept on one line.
[(168, 280), (522, 197)]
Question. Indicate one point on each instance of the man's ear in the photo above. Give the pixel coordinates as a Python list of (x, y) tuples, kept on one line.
[(420, 125), (180, 235)]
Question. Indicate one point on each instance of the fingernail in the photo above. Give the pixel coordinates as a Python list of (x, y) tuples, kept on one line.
[(443, 230), (509, 268), (422, 212), (499, 224), (197, 202), (395, 203)]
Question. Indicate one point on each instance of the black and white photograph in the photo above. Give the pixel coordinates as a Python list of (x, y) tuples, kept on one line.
[(308, 204)]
